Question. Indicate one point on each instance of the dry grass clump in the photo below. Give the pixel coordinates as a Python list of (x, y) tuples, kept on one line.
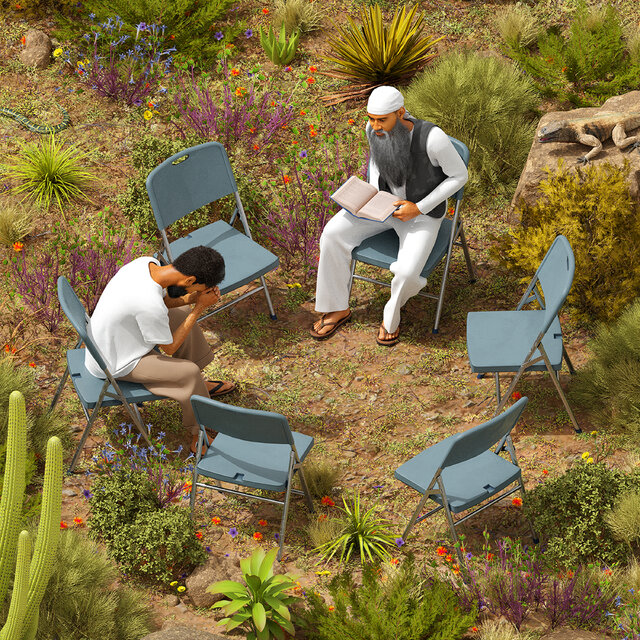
[(301, 15), (518, 26), (17, 220)]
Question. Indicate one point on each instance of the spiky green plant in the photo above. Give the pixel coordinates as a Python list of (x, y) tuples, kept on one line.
[(48, 171), (377, 53), (279, 49), (485, 102), (16, 221), (261, 602), (624, 518), (297, 15), (518, 26), (363, 532)]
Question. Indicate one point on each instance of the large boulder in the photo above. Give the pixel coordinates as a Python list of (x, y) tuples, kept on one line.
[(546, 155), (37, 49), (182, 633)]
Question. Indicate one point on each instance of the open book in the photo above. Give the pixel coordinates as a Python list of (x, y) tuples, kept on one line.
[(363, 200)]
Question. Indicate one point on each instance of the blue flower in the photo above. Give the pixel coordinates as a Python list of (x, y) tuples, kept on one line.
[(207, 549), (87, 494), (248, 33), (276, 536), (161, 434), (399, 542), (233, 532), (92, 16), (303, 154), (218, 35)]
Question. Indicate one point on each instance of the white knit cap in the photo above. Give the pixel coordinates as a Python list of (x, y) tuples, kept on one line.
[(384, 100)]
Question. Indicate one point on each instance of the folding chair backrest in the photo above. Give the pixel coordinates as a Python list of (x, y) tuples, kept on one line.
[(555, 275), (241, 423), (483, 437), (189, 180), (77, 316), (463, 152)]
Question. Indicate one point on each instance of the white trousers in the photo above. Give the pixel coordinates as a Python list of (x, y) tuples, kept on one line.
[(344, 232)]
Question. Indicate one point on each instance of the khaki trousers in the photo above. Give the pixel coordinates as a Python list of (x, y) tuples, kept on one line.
[(179, 376)]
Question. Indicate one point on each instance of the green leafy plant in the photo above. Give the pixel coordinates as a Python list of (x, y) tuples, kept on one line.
[(279, 49), (592, 207), (608, 385), (377, 53), (261, 602), (16, 221), (486, 103), (569, 513), (47, 171), (363, 532), (587, 65), (297, 15), (406, 606), (83, 600)]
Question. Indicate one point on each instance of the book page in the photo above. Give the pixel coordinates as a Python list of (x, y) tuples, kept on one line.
[(353, 194), (379, 208)]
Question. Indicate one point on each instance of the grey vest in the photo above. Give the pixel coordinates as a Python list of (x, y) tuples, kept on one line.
[(424, 177)]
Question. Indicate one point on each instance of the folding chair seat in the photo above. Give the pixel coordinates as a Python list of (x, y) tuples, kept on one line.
[(189, 180), (381, 250), (95, 393), (254, 449), (465, 469), (526, 339)]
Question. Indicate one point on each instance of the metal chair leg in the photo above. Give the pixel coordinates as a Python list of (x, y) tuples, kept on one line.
[(283, 523), (272, 313)]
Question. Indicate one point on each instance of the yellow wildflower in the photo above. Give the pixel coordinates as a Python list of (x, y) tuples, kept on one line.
[(148, 114), (57, 52)]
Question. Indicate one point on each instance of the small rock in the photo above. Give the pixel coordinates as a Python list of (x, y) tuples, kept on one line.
[(172, 600), (69, 493), (403, 370), (468, 403), (359, 378), (217, 567), (431, 416), (330, 401), (181, 607), (37, 49), (349, 454)]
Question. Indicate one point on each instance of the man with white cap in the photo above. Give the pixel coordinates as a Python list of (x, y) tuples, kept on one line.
[(415, 161)]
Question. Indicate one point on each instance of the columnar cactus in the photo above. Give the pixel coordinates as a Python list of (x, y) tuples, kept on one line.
[(24, 622)]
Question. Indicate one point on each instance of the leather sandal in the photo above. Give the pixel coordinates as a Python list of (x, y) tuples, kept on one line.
[(336, 325), (219, 390), (387, 342)]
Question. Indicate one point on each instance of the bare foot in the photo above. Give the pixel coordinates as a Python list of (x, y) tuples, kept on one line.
[(329, 322)]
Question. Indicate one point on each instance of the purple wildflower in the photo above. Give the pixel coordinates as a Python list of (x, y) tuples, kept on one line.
[(218, 35), (233, 532), (87, 494), (399, 542), (303, 154), (248, 33)]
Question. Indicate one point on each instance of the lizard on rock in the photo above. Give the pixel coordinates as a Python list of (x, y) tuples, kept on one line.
[(593, 131)]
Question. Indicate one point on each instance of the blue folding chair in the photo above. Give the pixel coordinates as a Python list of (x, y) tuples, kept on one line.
[(254, 449), (465, 469), (381, 250), (527, 339), (189, 180), (95, 393)]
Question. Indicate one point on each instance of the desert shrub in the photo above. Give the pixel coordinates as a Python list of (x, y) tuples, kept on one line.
[(569, 513), (148, 152), (16, 221), (592, 207), (372, 51), (46, 171), (82, 600), (608, 385), (587, 65), (405, 602), (518, 26), (302, 15), (144, 537), (323, 530), (42, 424), (321, 476), (624, 518), (487, 104), (196, 29), (503, 630)]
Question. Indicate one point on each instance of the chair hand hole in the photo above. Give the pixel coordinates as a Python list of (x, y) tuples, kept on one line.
[(488, 487), (181, 159), (239, 477)]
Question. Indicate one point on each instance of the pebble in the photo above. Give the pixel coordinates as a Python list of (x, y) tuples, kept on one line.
[(468, 403), (403, 370), (349, 454), (172, 600), (69, 493), (181, 607)]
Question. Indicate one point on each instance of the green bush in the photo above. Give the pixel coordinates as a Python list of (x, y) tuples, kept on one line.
[(592, 207), (518, 26), (374, 52), (145, 539), (588, 64), (147, 154), (609, 384), (406, 606), (487, 104), (41, 423), (569, 513), (83, 601)]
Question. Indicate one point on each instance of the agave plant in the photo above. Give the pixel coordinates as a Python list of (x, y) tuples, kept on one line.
[(363, 532), (377, 53), (279, 50)]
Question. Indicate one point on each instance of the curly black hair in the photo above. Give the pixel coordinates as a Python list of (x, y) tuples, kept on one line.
[(206, 264)]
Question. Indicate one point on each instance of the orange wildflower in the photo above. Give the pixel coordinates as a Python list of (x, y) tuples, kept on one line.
[(63, 524), (448, 558), (257, 536), (265, 11), (517, 502), (262, 523), (331, 607), (286, 179), (327, 501), (78, 521), (235, 72), (199, 535), (516, 395), (215, 520), (303, 112), (351, 121), (311, 80), (441, 551), (313, 69), (18, 246)]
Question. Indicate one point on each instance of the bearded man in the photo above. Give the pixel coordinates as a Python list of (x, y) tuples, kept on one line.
[(415, 161)]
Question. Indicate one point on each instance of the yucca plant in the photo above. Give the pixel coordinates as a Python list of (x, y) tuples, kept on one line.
[(261, 603), (363, 532), (48, 171), (279, 49), (375, 52)]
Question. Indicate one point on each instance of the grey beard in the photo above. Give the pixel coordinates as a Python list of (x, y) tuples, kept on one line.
[(391, 153)]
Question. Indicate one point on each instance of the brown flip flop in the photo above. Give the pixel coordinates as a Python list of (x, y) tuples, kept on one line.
[(336, 325), (389, 342), (219, 390)]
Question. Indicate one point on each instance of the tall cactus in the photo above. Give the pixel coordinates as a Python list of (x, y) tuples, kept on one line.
[(24, 623), (12, 489)]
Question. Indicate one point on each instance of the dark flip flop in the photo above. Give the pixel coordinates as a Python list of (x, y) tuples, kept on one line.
[(336, 325), (219, 384), (388, 342)]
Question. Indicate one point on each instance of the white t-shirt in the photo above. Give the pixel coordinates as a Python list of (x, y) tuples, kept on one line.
[(129, 320)]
